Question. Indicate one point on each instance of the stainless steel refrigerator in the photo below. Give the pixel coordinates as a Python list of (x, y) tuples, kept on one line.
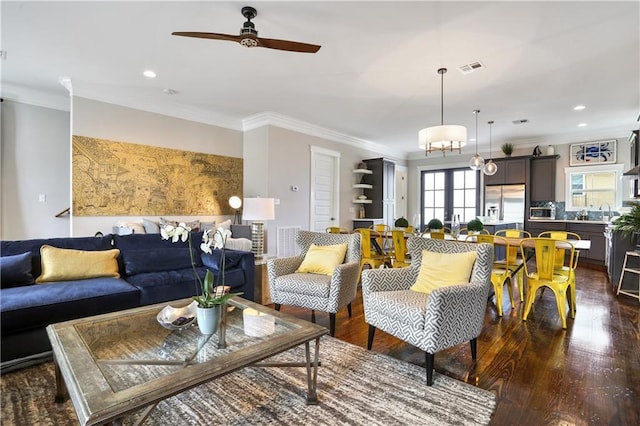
[(507, 201)]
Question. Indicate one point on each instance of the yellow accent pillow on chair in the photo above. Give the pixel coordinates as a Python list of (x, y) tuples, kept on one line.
[(323, 259), (69, 264), (443, 269)]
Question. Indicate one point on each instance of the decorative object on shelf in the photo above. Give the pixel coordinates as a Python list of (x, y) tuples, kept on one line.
[(475, 225), (507, 149), (177, 318), (235, 203), (258, 210), (362, 197), (536, 151), (401, 222), (476, 162), (551, 150), (582, 154), (361, 213), (435, 224), (442, 138), (207, 297), (362, 166), (490, 168)]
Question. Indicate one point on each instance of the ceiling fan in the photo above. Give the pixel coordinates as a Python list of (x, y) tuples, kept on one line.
[(249, 37)]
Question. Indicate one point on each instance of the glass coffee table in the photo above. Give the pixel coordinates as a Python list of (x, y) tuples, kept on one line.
[(121, 363)]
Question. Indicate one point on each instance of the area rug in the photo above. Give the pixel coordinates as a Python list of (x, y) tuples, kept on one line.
[(355, 387)]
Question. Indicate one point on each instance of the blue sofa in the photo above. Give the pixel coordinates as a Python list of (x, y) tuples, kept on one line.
[(151, 271)]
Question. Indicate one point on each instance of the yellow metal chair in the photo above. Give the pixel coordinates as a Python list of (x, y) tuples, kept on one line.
[(337, 230), (544, 274), (566, 269), (384, 236), (436, 235), (399, 249), (465, 231), (513, 257), (370, 256), (501, 274)]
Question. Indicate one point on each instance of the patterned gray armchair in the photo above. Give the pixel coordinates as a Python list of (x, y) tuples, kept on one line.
[(444, 318), (313, 291)]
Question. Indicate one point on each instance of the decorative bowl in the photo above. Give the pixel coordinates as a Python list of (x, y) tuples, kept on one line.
[(177, 318), (362, 197)]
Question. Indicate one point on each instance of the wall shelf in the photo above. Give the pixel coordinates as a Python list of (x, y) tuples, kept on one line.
[(362, 186), (362, 201), (363, 171)]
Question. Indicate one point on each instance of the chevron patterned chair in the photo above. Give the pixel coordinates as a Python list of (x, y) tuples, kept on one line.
[(327, 293), (434, 321)]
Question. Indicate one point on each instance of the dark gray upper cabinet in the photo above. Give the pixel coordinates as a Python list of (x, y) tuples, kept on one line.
[(510, 171), (543, 178)]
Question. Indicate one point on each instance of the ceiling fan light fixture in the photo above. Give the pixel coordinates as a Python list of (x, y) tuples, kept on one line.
[(248, 42), (443, 137)]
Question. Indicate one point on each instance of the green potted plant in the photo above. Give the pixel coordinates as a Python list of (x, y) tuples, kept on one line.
[(507, 149), (475, 225), (401, 223), (435, 224), (628, 224)]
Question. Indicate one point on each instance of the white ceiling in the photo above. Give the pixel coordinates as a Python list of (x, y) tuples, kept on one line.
[(374, 79)]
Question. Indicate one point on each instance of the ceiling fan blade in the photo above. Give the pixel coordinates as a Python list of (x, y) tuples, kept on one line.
[(291, 46), (214, 36)]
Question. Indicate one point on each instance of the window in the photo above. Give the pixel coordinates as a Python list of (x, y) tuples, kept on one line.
[(591, 187), (445, 193)]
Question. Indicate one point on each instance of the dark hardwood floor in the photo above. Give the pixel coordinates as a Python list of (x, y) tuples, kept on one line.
[(588, 374)]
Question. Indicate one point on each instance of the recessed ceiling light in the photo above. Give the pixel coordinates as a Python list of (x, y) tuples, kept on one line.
[(149, 74), (579, 107), (582, 125)]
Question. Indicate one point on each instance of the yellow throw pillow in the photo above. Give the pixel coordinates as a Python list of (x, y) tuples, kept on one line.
[(68, 264), (443, 269), (323, 259)]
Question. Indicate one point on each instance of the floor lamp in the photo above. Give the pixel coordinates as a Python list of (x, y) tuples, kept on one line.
[(256, 211), (235, 203)]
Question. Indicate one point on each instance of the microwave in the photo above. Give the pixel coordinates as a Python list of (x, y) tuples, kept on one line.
[(542, 213)]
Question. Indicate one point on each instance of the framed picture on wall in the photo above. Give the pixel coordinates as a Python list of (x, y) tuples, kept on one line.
[(589, 153)]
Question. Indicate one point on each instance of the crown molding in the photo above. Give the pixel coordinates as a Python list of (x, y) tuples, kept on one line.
[(279, 120), (175, 110), (41, 98)]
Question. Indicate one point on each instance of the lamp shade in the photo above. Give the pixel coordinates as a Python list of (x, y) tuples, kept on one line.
[(258, 209), (443, 137), (235, 202)]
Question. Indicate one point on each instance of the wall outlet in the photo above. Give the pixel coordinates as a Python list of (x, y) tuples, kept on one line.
[(295, 188), (42, 198)]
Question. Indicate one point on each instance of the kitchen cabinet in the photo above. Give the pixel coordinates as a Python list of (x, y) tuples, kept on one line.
[(510, 171), (535, 227), (587, 231), (382, 193), (543, 179), (595, 233)]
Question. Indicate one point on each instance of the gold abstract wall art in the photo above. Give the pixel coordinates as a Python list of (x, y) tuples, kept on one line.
[(111, 178)]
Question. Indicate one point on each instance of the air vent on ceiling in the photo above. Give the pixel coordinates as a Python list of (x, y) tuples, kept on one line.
[(524, 120), (469, 68)]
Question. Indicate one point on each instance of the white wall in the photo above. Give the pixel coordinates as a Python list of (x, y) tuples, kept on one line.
[(35, 160), (288, 163), (113, 122)]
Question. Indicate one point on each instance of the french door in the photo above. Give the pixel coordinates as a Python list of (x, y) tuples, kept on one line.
[(449, 192)]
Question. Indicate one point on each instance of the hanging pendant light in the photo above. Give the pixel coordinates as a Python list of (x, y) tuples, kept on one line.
[(490, 168), (476, 162), (442, 138)]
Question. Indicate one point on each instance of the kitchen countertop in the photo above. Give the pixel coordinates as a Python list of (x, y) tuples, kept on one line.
[(601, 222)]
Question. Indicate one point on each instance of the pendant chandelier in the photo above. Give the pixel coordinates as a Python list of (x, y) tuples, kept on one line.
[(442, 138), (490, 168), (476, 162)]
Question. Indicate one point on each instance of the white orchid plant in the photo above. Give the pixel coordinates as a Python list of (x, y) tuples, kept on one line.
[(207, 295)]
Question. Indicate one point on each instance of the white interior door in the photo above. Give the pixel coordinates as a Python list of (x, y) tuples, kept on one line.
[(325, 205)]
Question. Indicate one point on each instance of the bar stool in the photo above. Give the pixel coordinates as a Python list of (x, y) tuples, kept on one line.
[(625, 269)]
